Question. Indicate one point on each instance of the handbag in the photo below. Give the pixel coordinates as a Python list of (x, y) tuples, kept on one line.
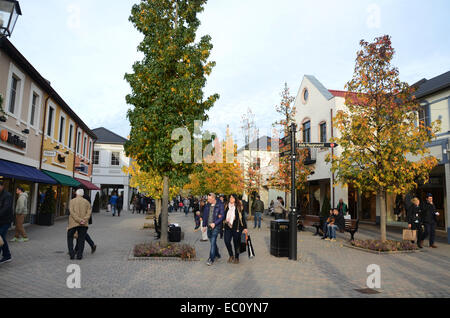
[(251, 251), (409, 235)]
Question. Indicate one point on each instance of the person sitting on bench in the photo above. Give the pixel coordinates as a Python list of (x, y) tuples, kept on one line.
[(325, 225), (336, 222)]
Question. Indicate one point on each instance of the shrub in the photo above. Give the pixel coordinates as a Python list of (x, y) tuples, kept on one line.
[(96, 207), (49, 204), (183, 251), (388, 246)]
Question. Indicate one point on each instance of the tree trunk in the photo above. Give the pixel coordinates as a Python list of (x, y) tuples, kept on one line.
[(383, 216), (158, 208), (165, 212)]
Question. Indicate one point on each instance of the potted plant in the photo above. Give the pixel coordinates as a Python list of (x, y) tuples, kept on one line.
[(48, 209), (96, 206)]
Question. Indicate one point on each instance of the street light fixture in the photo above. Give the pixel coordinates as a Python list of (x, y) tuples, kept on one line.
[(9, 13)]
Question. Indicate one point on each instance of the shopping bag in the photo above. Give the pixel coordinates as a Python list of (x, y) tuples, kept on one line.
[(409, 235), (251, 251), (243, 248)]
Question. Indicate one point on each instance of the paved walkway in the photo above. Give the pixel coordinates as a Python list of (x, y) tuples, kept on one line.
[(324, 269)]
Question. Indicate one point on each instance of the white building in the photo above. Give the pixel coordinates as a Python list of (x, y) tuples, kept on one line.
[(317, 106), (264, 156), (109, 159)]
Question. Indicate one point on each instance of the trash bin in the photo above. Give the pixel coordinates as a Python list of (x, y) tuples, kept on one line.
[(279, 238), (174, 233)]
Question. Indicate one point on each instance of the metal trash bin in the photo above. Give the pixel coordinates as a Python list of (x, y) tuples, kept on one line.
[(279, 238)]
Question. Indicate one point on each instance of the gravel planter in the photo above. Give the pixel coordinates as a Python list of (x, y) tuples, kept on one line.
[(131, 257)]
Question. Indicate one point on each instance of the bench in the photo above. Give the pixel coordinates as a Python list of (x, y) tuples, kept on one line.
[(310, 220), (351, 226)]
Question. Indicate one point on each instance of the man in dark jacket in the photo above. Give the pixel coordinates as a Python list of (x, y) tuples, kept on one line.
[(258, 210), (337, 222), (6, 218), (429, 221), (213, 216)]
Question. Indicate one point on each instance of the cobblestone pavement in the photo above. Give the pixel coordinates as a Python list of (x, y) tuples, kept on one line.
[(324, 269)]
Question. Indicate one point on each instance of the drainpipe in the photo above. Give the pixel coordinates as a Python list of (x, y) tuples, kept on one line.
[(43, 132), (75, 149), (332, 154)]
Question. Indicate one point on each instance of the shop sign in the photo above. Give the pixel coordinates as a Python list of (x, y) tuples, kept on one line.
[(12, 139), (49, 153)]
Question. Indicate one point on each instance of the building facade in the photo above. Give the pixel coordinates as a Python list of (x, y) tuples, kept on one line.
[(317, 106), (38, 132), (109, 158)]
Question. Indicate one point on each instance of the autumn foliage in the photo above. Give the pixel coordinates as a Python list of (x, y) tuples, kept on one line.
[(383, 145)]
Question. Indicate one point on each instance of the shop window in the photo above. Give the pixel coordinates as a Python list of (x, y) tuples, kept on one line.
[(15, 82), (78, 142), (84, 146), (62, 126), (307, 132), (70, 136), (34, 106), (96, 157)]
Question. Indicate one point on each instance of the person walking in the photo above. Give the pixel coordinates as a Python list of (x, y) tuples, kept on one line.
[(21, 213), (113, 202), (204, 229), (245, 207), (279, 209), (342, 207), (88, 237), (235, 225), (213, 217), (186, 204), (429, 221), (258, 209), (80, 213), (414, 218), (6, 218), (120, 204)]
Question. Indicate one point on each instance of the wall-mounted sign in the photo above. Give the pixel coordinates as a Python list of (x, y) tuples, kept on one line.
[(12, 139), (49, 153)]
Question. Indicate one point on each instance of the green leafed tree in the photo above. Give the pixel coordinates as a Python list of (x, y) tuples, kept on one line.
[(167, 87), (383, 142)]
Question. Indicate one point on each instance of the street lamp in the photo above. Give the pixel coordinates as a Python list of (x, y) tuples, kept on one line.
[(9, 13)]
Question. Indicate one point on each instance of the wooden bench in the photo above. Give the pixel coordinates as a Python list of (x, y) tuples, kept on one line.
[(351, 226), (310, 220)]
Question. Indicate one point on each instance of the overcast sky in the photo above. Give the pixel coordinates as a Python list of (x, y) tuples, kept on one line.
[(84, 47)]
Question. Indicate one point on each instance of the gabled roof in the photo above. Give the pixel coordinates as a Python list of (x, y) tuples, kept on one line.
[(436, 84), (322, 89), (259, 145), (105, 136)]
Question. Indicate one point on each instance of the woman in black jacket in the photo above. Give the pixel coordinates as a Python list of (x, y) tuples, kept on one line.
[(235, 225), (414, 217)]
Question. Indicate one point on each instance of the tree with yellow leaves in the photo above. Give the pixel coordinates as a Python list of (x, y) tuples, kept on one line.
[(380, 132)]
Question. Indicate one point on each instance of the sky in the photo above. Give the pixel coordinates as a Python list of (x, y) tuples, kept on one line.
[(85, 47)]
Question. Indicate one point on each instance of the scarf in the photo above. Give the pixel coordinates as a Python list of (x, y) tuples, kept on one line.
[(231, 214)]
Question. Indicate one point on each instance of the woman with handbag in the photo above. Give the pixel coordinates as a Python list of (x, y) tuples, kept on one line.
[(235, 225), (414, 217)]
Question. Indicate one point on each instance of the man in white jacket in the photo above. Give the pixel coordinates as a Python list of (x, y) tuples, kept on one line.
[(21, 213)]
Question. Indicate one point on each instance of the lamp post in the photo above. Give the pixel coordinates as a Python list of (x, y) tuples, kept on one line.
[(9, 13)]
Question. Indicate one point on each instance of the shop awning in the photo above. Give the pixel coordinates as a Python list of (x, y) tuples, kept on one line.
[(14, 170), (62, 179), (88, 185)]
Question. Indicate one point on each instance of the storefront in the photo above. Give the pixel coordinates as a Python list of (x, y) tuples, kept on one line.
[(63, 191), (88, 187), (30, 179)]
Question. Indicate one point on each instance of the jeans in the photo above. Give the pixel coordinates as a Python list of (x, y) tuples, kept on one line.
[(325, 230), (6, 254), (212, 235), (430, 229), (82, 231), (258, 216), (236, 237), (331, 233), (186, 210), (113, 209)]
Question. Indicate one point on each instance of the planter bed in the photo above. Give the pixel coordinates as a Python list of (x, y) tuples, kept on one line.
[(395, 246), (153, 251)]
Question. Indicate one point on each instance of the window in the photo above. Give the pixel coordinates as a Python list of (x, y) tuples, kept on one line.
[(51, 115), (70, 136), (34, 105), (84, 146), (78, 141), (323, 132), (96, 157), (424, 118), (307, 132), (90, 149), (306, 95), (62, 126), (115, 159), (13, 94)]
